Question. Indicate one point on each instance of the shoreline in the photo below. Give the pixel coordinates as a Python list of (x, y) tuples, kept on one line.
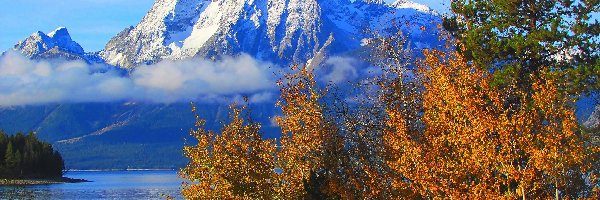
[(116, 170), (26, 182)]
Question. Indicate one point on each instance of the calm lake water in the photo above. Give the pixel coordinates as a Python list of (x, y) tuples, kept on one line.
[(105, 185)]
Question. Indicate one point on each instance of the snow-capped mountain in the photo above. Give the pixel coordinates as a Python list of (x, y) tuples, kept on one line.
[(56, 44), (275, 30), (279, 31)]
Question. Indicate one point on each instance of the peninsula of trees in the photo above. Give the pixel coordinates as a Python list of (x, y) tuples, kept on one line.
[(25, 157)]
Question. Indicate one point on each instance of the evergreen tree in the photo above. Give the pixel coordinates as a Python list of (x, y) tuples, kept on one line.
[(24, 156), (10, 159), (518, 38)]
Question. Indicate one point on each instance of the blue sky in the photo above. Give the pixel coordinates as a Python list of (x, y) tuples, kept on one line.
[(91, 22)]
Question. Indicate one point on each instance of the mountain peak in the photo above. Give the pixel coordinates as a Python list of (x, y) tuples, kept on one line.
[(282, 31), (57, 43), (36, 43), (63, 39)]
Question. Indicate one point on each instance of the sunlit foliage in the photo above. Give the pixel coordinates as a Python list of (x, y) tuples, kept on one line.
[(478, 142), (438, 131), (308, 139), (233, 164), (436, 127)]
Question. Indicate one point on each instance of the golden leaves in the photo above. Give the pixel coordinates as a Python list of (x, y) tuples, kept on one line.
[(443, 132), (303, 132), (236, 164), (481, 140)]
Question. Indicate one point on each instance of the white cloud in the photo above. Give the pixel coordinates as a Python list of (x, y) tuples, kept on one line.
[(26, 82), (341, 69)]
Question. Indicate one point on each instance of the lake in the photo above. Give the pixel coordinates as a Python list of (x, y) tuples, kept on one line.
[(105, 185)]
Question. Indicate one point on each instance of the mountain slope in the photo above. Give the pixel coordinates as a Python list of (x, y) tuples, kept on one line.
[(120, 135), (281, 31)]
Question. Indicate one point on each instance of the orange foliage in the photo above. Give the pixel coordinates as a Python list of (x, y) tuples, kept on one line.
[(236, 164), (442, 131), (485, 142), (303, 132), (313, 145)]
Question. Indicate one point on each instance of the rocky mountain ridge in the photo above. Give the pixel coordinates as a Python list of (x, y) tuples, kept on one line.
[(282, 31), (279, 31), (57, 44)]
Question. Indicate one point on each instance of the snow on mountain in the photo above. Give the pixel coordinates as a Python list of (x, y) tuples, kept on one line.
[(37, 43), (275, 30), (56, 44), (412, 5), (168, 21)]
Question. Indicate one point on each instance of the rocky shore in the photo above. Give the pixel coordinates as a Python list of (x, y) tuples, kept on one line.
[(6, 182)]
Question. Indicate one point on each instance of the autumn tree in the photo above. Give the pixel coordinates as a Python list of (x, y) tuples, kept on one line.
[(491, 119), (441, 130), (472, 146), (309, 163), (541, 54), (395, 88), (309, 141), (233, 164)]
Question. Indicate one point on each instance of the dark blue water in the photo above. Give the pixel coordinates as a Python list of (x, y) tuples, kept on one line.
[(105, 185)]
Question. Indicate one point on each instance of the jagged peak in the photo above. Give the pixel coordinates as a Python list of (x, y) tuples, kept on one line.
[(37, 37), (39, 43), (63, 39), (294, 30)]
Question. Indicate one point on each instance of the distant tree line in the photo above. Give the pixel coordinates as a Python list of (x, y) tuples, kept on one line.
[(24, 156)]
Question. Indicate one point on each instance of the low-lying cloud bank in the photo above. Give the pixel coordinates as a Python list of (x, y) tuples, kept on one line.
[(27, 82)]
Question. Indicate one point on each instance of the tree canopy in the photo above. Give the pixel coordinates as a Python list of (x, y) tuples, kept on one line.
[(443, 133), (516, 38), (24, 156), (491, 116)]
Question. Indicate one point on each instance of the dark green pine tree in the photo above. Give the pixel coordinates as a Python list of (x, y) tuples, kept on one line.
[(518, 38), (24, 156), (11, 162), (57, 165)]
